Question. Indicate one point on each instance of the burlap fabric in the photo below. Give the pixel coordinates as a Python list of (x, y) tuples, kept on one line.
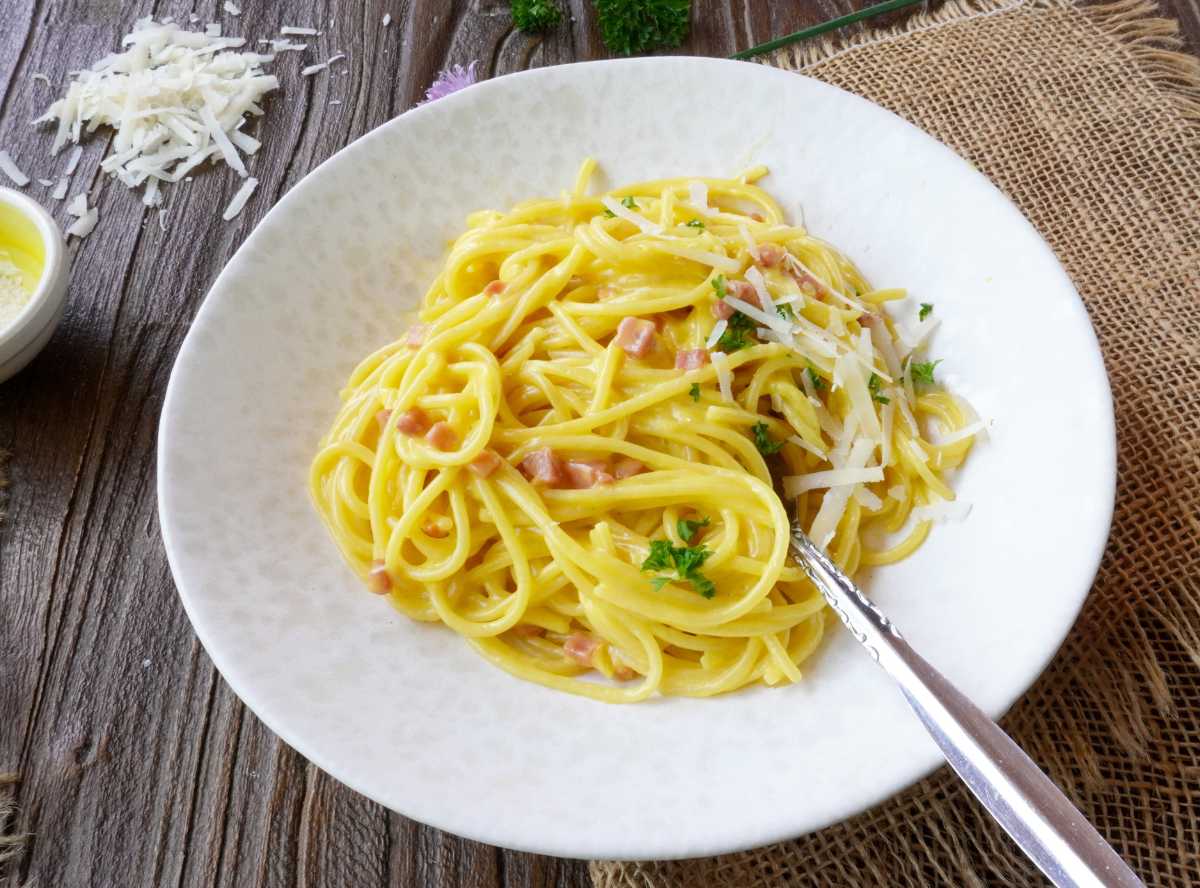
[(1090, 121)]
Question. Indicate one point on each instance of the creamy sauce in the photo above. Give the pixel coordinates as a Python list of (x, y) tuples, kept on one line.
[(14, 294)]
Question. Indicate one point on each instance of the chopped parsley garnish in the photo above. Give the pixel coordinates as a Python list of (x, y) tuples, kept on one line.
[(735, 336), (629, 203), (694, 392), (686, 561), (926, 310), (718, 284), (695, 223), (785, 312), (818, 382), (687, 528), (635, 26), (765, 443), (609, 214), (873, 385), (922, 371), (534, 15)]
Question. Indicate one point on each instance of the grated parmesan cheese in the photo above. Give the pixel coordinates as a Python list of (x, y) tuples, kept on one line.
[(83, 226), (45, 183), (698, 195), (718, 331), (621, 211), (239, 199), (942, 511), (213, 30), (73, 161), (175, 98), (387, 19), (78, 205), (794, 485), (10, 169), (60, 190), (232, 8), (724, 378), (313, 69), (288, 30)]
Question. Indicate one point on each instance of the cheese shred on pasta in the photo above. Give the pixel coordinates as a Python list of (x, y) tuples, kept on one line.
[(564, 465)]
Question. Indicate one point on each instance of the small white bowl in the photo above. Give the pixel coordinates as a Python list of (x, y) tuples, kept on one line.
[(21, 340)]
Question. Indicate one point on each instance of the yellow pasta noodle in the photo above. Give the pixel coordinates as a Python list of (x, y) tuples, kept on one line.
[(585, 456)]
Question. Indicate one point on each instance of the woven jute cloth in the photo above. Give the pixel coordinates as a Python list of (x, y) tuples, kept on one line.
[(1089, 119)]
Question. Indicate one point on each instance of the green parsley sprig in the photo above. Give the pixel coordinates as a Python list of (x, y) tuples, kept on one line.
[(922, 371), (694, 392), (686, 562), (632, 26), (926, 311), (764, 442), (535, 15), (818, 381), (687, 527)]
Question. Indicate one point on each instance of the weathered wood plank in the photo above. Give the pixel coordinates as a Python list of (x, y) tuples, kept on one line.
[(140, 766)]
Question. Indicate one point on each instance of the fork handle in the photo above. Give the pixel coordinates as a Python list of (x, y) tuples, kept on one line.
[(1033, 811)]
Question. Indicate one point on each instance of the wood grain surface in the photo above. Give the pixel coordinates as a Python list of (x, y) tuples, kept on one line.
[(139, 767)]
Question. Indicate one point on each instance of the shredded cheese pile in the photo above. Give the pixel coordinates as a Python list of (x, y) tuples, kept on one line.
[(176, 99)]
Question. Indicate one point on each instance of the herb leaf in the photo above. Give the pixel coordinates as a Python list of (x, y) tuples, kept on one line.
[(817, 381), (926, 311), (718, 284), (687, 528), (694, 392), (922, 372), (632, 26), (609, 214), (629, 203), (785, 311), (873, 385), (534, 15), (686, 560), (736, 333), (659, 557), (764, 442), (695, 223)]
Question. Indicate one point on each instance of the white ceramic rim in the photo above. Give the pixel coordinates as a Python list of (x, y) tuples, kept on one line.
[(47, 289), (507, 837)]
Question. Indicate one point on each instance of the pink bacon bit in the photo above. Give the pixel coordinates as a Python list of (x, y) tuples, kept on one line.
[(581, 648), (743, 290), (722, 311), (415, 337), (543, 467), (627, 468), (635, 336), (809, 285), (378, 580), (413, 421), (528, 630), (382, 418), (583, 474), (495, 288), (757, 217), (442, 436), (691, 359), (484, 464), (624, 673), (767, 255), (434, 528)]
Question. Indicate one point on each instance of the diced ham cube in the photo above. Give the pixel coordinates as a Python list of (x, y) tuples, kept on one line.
[(413, 421), (586, 473), (543, 467), (867, 319), (743, 290), (495, 288), (581, 648), (722, 310), (382, 418), (757, 217), (442, 436), (378, 580), (484, 464), (635, 336), (691, 358), (528, 630), (767, 255), (623, 673), (627, 468), (415, 337), (809, 285)]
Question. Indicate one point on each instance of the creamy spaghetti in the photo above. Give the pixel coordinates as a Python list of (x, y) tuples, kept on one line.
[(574, 458)]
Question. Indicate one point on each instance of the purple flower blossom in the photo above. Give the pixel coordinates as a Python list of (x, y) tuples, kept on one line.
[(453, 79)]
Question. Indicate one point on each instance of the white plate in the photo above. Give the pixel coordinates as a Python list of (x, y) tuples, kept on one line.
[(406, 713)]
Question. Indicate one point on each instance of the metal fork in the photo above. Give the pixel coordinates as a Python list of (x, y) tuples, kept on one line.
[(1023, 800)]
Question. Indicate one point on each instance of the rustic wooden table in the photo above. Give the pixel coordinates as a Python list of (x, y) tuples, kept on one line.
[(138, 766)]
